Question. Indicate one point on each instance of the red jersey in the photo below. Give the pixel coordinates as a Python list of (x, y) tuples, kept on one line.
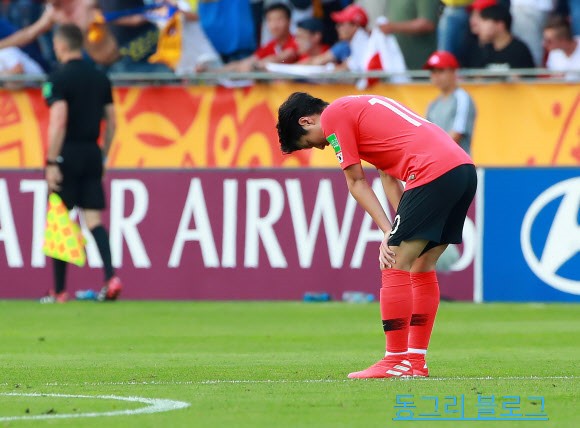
[(391, 137), (273, 48)]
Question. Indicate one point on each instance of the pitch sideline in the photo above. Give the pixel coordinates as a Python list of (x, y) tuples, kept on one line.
[(234, 381)]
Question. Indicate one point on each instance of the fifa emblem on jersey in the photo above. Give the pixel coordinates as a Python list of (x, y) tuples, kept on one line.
[(336, 146)]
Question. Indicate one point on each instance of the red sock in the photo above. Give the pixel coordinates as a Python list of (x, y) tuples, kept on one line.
[(425, 304), (396, 308)]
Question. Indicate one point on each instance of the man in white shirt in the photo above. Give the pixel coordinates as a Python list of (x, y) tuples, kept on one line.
[(563, 49)]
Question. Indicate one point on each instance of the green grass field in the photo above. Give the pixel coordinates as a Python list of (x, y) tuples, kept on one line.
[(274, 364)]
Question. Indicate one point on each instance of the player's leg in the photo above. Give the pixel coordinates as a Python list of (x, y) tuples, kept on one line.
[(396, 303), (112, 287), (93, 204), (460, 182), (425, 288)]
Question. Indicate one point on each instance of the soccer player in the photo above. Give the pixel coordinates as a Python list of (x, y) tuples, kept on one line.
[(440, 185)]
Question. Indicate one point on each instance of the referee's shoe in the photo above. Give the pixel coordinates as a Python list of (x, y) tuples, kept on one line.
[(111, 290)]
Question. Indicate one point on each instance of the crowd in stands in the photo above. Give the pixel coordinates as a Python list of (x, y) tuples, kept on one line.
[(302, 36)]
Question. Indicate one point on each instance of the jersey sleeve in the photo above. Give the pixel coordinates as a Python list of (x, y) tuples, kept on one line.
[(464, 112), (265, 50), (53, 90), (341, 133), (340, 50)]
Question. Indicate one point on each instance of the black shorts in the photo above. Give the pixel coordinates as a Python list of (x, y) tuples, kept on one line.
[(436, 211), (82, 172)]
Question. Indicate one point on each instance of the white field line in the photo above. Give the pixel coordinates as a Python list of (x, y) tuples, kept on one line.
[(154, 405), (258, 381)]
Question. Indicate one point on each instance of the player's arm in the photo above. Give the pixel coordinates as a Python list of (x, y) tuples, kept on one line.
[(393, 189), (29, 34), (58, 116), (456, 136), (110, 128), (361, 190)]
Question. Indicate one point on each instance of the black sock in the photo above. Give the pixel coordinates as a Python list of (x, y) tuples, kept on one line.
[(59, 273), (102, 241)]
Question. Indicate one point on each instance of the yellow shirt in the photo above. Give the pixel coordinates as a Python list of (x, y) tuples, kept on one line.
[(457, 3)]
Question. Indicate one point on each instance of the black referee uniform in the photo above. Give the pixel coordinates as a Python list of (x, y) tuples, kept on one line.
[(86, 91)]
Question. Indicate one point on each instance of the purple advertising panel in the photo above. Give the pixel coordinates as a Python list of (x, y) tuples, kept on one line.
[(215, 234)]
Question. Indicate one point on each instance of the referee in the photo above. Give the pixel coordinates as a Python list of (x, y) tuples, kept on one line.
[(79, 96)]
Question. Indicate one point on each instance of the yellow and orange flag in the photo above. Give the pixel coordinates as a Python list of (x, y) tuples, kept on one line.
[(63, 239)]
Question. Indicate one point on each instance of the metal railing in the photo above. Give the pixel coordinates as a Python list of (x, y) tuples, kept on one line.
[(538, 75)]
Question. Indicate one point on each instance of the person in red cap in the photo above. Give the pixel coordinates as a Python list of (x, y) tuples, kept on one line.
[(453, 110), (475, 17), (281, 49), (474, 46), (351, 25)]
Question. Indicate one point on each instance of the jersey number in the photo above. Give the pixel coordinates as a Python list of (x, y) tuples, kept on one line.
[(399, 110)]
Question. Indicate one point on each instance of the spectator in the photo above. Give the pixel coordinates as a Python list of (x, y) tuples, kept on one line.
[(501, 49), (413, 22), (474, 47), (563, 49), (570, 8), (16, 61), (282, 49), (309, 39), (234, 15), (453, 110), (33, 50), (529, 20), (301, 10), (453, 28), (475, 16), (59, 12), (23, 13), (135, 36), (183, 46), (353, 38), (374, 8)]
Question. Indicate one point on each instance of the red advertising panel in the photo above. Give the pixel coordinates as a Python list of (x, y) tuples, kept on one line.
[(214, 234)]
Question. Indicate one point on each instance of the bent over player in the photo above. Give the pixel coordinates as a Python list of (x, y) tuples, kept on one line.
[(440, 185)]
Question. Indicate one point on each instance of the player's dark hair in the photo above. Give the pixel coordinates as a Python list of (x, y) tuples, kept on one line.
[(498, 13), (279, 6), (561, 26), (72, 35), (298, 105)]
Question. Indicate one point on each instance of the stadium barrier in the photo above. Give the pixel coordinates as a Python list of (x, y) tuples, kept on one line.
[(218, 234), (276, 234), (233, 226), (518, 124), (531, 235)]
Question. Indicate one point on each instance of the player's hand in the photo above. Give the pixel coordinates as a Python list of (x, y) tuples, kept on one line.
[(53, 177), (386, 254)]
